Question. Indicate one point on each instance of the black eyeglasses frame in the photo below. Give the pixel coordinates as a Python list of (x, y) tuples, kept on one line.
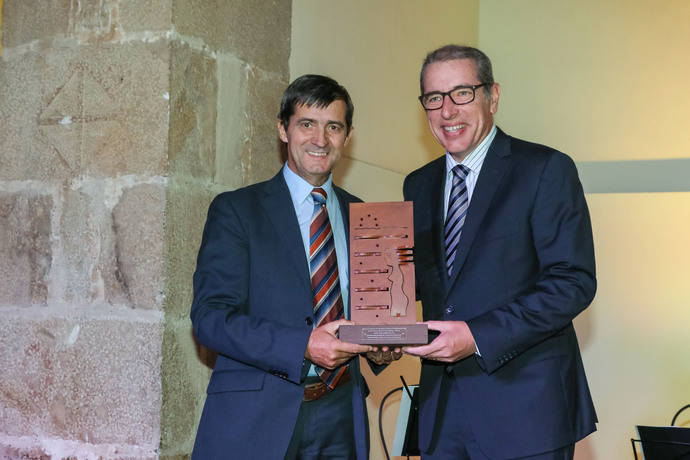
[(447, 93)]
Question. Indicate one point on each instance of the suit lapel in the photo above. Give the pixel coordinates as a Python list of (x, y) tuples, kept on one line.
[(494, 168), (345, 213), (438, 184), (277, 204), (344, 202)]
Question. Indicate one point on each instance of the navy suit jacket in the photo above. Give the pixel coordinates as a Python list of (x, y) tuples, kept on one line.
[(524, 268), (253, 305)]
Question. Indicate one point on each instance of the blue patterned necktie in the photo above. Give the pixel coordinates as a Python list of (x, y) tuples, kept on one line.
[(457, 210), (328, 303)]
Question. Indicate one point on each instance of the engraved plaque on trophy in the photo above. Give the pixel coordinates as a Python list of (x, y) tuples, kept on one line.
[(382, 286)]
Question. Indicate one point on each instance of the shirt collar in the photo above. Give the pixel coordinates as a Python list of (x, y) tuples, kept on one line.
[(474, 160), (300, 189)]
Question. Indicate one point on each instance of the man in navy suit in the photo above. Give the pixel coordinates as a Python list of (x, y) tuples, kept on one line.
[(254, 303), (504, 261)]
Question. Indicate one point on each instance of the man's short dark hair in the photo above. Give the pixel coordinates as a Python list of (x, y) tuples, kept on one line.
[(314, 90), (452, 52)]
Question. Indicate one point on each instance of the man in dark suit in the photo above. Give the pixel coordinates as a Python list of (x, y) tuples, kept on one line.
[(270, 291), (504, 262)]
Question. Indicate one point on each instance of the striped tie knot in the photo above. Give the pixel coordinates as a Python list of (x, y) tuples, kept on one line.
[(319, 196), (460, 173)]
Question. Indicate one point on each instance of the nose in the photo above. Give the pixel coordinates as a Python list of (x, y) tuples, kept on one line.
[(319, 138), (448, 109)]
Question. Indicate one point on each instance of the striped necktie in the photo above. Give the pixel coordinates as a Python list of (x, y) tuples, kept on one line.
[(328, 303), (457, 210)]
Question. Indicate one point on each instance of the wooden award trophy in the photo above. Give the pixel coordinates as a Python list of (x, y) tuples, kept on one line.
[(382, 286)]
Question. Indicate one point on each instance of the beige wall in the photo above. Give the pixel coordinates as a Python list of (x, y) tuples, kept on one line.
[(605, 81), (601, 80), (634, 337), (375, 50), (598, 80)]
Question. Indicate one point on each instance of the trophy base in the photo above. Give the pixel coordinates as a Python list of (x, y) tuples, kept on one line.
[(385, 334)]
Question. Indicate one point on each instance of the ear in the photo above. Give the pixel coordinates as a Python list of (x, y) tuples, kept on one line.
[(349, 135), (281, 132), (495, 94)]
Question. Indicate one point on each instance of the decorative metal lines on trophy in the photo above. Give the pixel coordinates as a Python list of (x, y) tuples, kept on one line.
[(382, 286)]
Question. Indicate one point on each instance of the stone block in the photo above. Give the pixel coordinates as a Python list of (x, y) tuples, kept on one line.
[(24, 22), (24, 453), (256, 32), (89, 271), (185, 215), (185, 371), (193, 95), (35, 448), (97, 110), (85, 236), (264, 146), (85, 20), (95, 21), (87, 380), (122, 117), (138, 224), (248, 150), (22, 153), (25, 247), (111, 244), (145, 15), (232, 141)]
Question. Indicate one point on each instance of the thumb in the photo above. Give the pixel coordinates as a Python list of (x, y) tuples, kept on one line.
[(436, 325), (333, 326)]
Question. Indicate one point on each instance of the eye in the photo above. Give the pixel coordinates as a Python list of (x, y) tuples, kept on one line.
[(335, 128), (433, 97), (306, 124)]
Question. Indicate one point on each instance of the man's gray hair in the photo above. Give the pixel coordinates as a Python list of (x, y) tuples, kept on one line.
[(452, 52)]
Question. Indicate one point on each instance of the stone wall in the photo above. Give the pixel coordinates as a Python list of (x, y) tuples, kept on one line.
[(119, 121), (229, 67)]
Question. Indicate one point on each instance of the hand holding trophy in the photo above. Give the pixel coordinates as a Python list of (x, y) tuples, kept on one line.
[(382, 286)]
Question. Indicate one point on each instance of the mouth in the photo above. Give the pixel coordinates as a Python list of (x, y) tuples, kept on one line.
[(317, 154), (455, 128)]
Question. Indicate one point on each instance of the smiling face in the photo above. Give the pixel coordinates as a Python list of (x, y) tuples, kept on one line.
[(315, 140), (459, 128)]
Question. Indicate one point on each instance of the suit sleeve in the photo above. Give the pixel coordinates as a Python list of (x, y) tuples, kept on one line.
[(566, 283), (221, 314), (407, 196)]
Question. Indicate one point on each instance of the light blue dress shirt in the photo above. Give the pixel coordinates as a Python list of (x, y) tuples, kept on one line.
[(300, 192), (473, 162)]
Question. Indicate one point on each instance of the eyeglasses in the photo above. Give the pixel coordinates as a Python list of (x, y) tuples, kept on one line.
[(460, 95)]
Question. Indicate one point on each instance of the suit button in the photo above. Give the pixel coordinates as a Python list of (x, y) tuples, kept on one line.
[(308, 320), (450, 309)]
